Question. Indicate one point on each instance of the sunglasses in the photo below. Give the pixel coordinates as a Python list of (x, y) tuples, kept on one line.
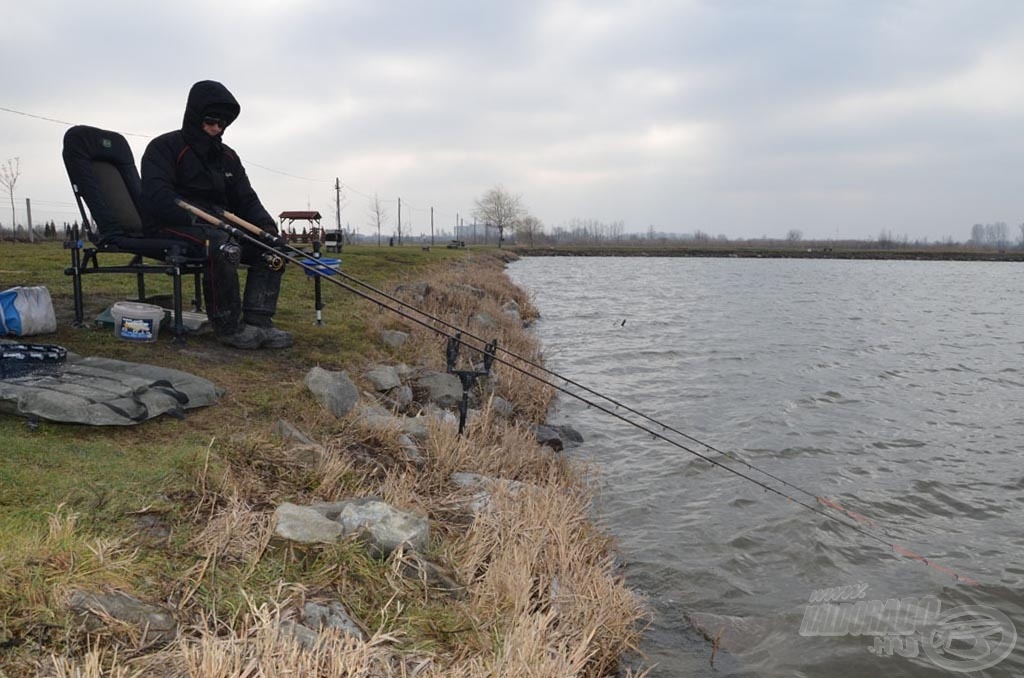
[(219, 122)]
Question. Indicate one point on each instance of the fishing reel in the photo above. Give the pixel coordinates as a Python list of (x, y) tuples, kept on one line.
[(230, 253), (273, 261)]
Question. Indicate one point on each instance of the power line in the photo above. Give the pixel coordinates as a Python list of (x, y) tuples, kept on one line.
[(65, 122), (249, 163), (286, 174)]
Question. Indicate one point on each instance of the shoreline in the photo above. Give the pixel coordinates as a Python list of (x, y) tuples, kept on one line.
[(811, 252)]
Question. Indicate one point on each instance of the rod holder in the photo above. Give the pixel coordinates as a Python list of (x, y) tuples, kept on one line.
[(467, 377)]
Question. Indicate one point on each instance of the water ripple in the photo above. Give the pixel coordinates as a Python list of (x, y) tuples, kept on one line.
[(890, 387)]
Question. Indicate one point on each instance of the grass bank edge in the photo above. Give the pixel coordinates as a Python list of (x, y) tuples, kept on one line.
[(214, 472)]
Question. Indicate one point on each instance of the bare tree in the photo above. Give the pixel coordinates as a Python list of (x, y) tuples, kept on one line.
[(9, 173), (530, 226), (978, 234), (795, 235), (499, 208), (378, 213), (1000, 234)]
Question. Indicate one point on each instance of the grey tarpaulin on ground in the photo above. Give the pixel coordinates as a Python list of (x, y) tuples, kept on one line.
[(103, 392)]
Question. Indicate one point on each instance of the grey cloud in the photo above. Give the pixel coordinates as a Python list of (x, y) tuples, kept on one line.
[(770, 116)]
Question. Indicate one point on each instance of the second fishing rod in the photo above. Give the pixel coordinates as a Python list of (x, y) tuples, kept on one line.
[(265, 240), (278, 245), (281, 244), (271, 243)]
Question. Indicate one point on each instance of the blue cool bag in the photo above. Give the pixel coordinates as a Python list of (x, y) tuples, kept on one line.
[(25, 311)]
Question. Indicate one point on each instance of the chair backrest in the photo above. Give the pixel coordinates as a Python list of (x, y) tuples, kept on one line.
[(102, 171)]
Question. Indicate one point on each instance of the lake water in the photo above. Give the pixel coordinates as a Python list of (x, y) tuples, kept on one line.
[(893, 388)]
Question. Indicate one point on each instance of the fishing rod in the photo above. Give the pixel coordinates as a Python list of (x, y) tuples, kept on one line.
[(274, 244), (336, 270)]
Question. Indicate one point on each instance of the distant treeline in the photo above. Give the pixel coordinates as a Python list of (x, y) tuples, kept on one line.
[(48, 230), (594, 232)]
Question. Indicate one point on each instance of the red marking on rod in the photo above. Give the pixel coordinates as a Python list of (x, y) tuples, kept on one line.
[(935, 566), (859, 517), (907, 553)]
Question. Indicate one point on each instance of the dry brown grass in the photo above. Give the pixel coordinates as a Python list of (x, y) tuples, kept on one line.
[(539, 592), (452, 298)]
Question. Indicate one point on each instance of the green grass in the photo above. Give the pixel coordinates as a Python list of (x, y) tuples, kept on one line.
[(105, 476)]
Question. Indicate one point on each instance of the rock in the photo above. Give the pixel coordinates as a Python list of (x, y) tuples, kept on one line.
[(286, 430), (433, 575), (371, 410), (415, 427), (401, 396), (511, 309), (156, 623), (331, 616), (384, 526), (441, 388), (307, 638), (334, 390), (418, 291), (502, 407), (484, 321), (547, 435), (734, 634), (569, 434), (403, 371), (393, 338), (470, 290), (411, 450), (484, 486), (305, 525), (329, 509), (375, 416), (443, 416), (384, 378), (467, 480)]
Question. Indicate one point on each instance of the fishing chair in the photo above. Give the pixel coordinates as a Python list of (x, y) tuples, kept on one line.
[(104, 178)]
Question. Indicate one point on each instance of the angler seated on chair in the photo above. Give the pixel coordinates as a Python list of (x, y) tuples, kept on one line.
[(193, 164)]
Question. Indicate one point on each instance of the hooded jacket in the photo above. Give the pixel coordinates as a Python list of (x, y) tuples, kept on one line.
[(191, 165)]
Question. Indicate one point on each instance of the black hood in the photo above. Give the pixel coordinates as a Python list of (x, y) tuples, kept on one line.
[(207, 97)]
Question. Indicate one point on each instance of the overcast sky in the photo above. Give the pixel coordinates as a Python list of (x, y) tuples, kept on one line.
[(841, 119)]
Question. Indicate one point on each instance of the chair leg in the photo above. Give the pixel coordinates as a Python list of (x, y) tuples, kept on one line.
[(76, 283), (197, 300), (79, 302), (179, 326)]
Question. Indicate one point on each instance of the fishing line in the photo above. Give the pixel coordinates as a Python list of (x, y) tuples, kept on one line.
[(317, 268), (337, 271)]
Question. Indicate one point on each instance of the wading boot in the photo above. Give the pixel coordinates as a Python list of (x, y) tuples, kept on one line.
[(248, 338)]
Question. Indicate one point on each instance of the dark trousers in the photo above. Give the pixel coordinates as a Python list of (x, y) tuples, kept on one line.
[(225, 306)]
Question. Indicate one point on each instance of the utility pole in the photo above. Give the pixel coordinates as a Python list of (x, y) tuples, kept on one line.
[(399, 222), (28, 210), (431, 226), (337, 201)]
